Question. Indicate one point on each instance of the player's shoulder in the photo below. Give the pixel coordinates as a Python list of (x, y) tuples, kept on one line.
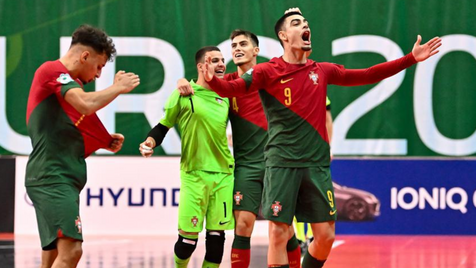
[(328, 65), (265, 66), (53, 70), (276, 61), (174, 100), (51, 67)]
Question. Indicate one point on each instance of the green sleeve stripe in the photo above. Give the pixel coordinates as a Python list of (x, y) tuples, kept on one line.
[(65, 88), (248, 77)]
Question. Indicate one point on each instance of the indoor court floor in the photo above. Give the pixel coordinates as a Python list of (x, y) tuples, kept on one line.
[(350, 251)]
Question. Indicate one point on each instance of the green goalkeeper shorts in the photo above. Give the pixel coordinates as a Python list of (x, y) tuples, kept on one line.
[(206, 197)]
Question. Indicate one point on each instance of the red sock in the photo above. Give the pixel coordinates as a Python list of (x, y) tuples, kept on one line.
[(240, 258), (294, 258)]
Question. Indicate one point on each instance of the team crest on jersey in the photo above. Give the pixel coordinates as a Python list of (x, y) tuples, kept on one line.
[(194, 221), (64, 79), (276, 208), (79, 225), (220, 101), (238, 197), (314, 77)]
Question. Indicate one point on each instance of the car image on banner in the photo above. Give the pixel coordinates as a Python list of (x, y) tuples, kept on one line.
[(354, 204)]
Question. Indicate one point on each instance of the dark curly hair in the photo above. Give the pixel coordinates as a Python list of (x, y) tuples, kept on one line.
[(95, 38)]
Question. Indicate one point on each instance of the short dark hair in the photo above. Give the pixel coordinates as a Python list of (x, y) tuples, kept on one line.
[(248, 34), (200, 55), (95, 38), (279, 24)]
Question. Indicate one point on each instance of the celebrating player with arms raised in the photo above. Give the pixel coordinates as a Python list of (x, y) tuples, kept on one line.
[(297, 180)]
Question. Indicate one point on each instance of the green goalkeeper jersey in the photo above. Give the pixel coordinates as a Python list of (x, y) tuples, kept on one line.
[(201, 120)]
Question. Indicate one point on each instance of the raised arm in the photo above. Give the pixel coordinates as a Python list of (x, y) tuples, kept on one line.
[(376, 73), (227, 89), (89, 102)]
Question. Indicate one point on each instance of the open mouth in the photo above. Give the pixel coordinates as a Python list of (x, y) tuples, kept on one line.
[(306, 37), (219, 72), (239, 55)]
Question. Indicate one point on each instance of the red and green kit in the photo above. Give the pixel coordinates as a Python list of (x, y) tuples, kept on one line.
[(62, 138), (294, 101)]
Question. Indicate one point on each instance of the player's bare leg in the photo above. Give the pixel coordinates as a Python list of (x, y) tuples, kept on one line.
[(244, 222), (240, 252), (69, 253), (48, 257), (320, 247), (278, 238)]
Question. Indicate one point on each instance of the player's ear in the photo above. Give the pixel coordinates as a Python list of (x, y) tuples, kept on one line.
[(282, 35), (255, 51), (84, 56)]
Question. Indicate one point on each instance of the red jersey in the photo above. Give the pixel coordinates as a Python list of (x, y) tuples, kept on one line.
[(294, 101), (61, 136)]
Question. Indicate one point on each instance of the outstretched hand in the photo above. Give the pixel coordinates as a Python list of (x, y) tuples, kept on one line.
[(207, 69), (423, 52)]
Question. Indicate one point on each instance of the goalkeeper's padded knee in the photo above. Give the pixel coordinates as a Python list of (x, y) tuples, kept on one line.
[(184, 247), (214, 244)]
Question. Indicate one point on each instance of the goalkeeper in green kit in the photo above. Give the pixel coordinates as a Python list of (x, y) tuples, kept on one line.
[(206, 166)]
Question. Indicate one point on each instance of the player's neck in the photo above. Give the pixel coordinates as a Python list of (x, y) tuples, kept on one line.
[(242, 69), (201, 82), (295, 56), (69, 63)]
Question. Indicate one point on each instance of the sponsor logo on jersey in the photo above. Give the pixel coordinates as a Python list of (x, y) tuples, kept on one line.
[(332, 212), (276, 208), (194, 221), (238, 197), (220, 101), (314, 77), (285, 81), (79, 225), (64, 79)]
